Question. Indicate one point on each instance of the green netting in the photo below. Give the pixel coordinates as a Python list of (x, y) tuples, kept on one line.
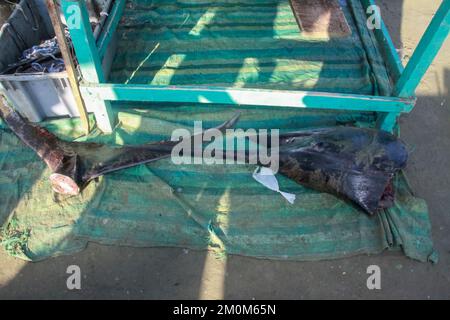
[(244, 43), (196, 206), (253, 43)]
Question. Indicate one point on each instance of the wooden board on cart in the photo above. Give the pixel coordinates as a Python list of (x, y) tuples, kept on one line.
[(321, 18)]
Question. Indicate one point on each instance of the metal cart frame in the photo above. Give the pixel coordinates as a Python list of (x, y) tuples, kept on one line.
[(98, 94)]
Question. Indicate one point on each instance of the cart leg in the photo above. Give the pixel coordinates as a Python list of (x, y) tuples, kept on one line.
[(426, 51), (77, 17), (387, 121), (102, 111)]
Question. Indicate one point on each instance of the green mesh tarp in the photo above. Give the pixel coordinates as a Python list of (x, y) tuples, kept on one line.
[(244, 43), (220, 207)]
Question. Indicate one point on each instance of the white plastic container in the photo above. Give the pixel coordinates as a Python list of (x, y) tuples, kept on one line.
[(35, 96)]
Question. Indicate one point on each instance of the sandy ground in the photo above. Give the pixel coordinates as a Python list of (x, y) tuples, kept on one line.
[(119, 272), (5, 11)]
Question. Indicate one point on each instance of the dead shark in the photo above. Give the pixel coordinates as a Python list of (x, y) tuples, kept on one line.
[(356, 164)]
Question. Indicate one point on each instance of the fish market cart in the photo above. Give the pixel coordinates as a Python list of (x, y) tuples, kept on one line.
[(218, 54)]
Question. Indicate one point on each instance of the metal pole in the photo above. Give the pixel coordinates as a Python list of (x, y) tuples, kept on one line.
[(426, 51), (68, 61)]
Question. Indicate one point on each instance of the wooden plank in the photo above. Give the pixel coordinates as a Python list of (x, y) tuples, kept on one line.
[(76, 13), (68, 62), (321, 18), (241, 96)]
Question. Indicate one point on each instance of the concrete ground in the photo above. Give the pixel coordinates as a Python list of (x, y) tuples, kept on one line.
[(121, 272)]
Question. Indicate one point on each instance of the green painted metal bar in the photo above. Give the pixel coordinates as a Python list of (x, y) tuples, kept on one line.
[(255, 97), (95, 91), (388, 50), (77, 17), (110, 27), (426, 51), (387, 121)]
